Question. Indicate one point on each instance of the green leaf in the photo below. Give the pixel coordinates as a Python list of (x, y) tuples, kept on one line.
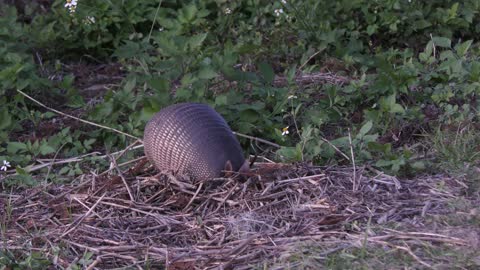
[(5, 119), (196, 41), (75, 100), (249, 115), (221, 100), (188, 13), (127, 50), (379, 147), (341, 142), (207, 73), (462, 48), (429, 49), (161, 89), (290, 153), (160, 85), (397, 108), (130, 84), (14, 147), (64, 170), (88, 143), (452, 12), (267, 72), (365, 129), (291, 74), (384, 163), (167, 46), (442, 42), (372, 29), (46, 149)]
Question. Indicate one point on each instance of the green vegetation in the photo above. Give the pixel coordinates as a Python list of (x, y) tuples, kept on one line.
[(411, 68), (393, 84)]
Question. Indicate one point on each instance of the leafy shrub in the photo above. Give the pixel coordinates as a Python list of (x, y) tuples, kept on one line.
[(413, 64)]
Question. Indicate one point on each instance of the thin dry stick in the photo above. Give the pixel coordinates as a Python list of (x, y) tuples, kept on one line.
[(121, 153), (84, 205), (433, 47), (355, 186), (194, 196), (122, 164), (301, 178), (72, 159), (120, 173), (416, 234), (154, 20), (256, 139), (51, 164), (409, 251), (79, 221), (298, 131), (308, 60), (336, 148), (92, 265), (32, 168), (76, 118)]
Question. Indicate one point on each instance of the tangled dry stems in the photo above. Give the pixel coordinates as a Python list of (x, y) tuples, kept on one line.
[(168, 221)]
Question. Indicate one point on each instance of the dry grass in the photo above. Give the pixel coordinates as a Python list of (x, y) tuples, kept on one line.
[(139, 220)]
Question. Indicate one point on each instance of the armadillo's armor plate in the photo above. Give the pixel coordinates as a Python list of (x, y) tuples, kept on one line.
[(191, 139)]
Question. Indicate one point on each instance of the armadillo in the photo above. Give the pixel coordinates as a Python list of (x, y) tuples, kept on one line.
[(192, 139)]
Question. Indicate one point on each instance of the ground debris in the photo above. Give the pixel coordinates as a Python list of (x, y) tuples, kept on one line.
[(225, 225)]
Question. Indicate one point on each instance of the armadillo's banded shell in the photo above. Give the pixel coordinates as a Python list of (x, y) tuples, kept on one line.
[(191, 139)]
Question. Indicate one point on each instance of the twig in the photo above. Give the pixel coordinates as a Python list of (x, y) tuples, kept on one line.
[(154, 20), (301, 178), (355, 184), (194, 196), (409, 251), (433, 47), (122, 164), (308, 60), (257, 139), (92, 265), (79, 221), (120, 173), (336, 148), (76, 118), (51, 164)]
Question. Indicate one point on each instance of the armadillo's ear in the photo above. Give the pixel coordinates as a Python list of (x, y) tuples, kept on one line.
[(228, 168)]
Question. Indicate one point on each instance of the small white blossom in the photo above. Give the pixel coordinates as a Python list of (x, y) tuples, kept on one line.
[(291, 96), (6, 165), (278, 12), (285, 2), (285, 131), (71, 5), (227, 11)]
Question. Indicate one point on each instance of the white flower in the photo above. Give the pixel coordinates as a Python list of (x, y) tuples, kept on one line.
[(291, 96), (284, 2), (71, 5), (285, 131), (6, 165), (227, 11), (278, 11)]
